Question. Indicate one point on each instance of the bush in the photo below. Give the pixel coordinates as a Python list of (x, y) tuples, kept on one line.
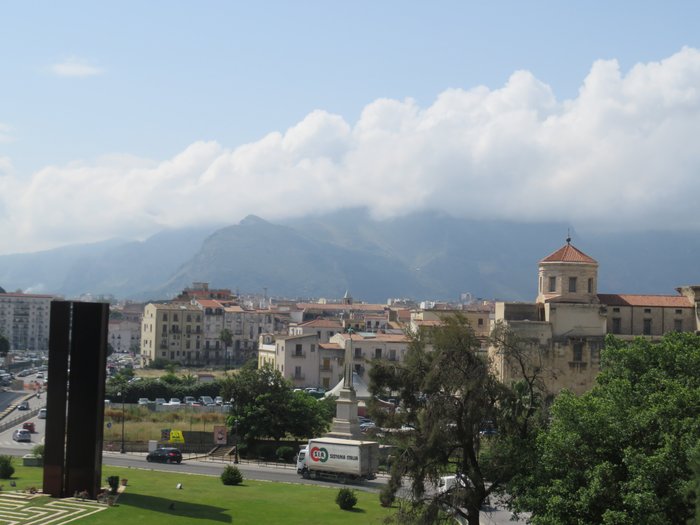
[(231, 476), (387, 496), (346, 499), (285, 453), (113, 482), (266, 451), (38, 451), (6, 468)]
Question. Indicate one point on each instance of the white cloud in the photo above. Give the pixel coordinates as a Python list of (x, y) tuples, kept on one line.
[(75, 67), (621, 155)]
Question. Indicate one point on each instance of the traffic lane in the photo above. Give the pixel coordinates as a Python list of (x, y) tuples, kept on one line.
[(214, 468)]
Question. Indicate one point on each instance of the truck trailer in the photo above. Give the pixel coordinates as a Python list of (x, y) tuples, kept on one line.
[(342, 460)]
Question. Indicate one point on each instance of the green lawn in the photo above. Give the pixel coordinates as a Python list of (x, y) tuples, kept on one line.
[(152, 497)]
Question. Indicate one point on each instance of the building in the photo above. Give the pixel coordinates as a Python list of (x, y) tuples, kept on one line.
[(173, 332), (308, 359), (565, 327), (24, 320)]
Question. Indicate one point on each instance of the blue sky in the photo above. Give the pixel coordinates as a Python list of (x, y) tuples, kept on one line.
[(120, 111)]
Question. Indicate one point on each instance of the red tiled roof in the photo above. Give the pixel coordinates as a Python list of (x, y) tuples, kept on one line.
[(667, 301), (209, 303), (569, 253)]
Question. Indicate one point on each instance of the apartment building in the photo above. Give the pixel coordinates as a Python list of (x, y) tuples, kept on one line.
[(24, 320), (172, 331), (307, 361), (565, 327)]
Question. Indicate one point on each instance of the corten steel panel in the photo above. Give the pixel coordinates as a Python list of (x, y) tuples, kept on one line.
[(88, 354), (59, 349)]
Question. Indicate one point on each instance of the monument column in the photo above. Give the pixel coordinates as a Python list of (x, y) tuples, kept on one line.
[(345, 423)]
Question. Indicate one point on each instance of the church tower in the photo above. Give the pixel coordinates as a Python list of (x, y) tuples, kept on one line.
[(568, 275)]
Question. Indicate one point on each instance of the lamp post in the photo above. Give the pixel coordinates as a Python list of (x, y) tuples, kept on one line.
[(122, 450), (235, 442)]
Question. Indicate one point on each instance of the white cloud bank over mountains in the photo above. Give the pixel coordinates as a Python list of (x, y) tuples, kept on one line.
[(622, 155)]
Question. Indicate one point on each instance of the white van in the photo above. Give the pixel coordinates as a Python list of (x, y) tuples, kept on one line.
[(42, 413)]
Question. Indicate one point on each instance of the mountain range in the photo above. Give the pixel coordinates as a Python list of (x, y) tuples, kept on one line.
[(422, 256)]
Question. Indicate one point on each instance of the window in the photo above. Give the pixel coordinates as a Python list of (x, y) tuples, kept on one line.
[(647, 326), (679, 312), (175, 319), (358, 352), (578, 351), (616, 325), (480, 322), (313, 347), (189, 318), (590, 285), (552, 284), (318, 334), (616, 310), (572, 284), (165, 317), (297, 372), (298, 350), (647, 310), (392, 355), (678, 325), (377, 353)]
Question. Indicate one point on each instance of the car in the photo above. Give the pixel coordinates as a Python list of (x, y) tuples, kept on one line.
[(29, 425), (174, 401), (42, 413), (219, 400), (40, 375), (24, 373), (206, 401), (189, 400), (165, 455), (24, 405), (22, 434), (144, 401), (160, 401)]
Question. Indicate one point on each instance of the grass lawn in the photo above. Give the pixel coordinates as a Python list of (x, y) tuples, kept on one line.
[(152, 497)]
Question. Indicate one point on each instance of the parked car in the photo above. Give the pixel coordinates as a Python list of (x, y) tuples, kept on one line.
[(22, 434), (160, 401), (24, 405), (174, 401), (219, 400), (206, 401), (42, 413), (24, 373), (165, 455), (144, 401), (189, 400), (29, 425)]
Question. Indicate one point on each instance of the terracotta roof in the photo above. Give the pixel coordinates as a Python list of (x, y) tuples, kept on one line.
[(569, 253), (209, 303), (667, 301)]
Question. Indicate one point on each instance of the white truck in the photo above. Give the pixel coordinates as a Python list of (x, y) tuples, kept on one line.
[(342, 460)]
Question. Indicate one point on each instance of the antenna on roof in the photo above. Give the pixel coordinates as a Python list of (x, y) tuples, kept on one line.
[(568, 236)]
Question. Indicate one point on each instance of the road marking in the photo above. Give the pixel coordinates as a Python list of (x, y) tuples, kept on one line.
[(20, 508)]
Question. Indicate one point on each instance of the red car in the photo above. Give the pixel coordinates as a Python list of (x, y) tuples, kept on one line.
[(29, 425)]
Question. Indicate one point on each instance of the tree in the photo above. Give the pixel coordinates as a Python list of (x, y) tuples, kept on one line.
[(264, 405), (451, 404), (226, 338), (4, 346), (621, 453)]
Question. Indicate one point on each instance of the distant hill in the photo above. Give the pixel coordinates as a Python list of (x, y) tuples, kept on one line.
[(424, 256)]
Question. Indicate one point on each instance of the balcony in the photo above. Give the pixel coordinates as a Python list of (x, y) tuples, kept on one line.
[(300, 355), (324, 368), (299, 377), (578, 366)]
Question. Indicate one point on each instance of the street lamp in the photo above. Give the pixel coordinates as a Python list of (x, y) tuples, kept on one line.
[(235, 441), (122, 449)]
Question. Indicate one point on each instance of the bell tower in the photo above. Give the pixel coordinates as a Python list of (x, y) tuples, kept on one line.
[(568, 275)]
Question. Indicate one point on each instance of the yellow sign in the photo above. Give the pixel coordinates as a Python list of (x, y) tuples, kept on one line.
[(176, 436)]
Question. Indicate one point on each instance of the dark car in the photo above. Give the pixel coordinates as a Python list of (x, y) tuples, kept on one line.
[(29, 425), (165, 455), (24, 405)]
